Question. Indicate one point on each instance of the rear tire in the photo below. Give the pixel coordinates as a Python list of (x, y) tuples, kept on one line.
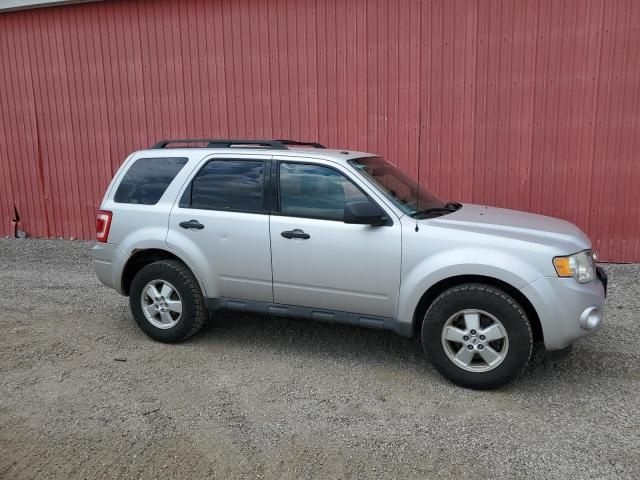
[(477, 336), (166, 301)]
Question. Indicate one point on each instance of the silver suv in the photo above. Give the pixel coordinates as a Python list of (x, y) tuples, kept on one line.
[(293, 229)]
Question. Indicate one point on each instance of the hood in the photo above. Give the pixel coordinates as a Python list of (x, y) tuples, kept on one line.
[(524, 226)]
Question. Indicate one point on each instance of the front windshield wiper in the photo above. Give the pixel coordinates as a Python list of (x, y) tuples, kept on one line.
[(449, 207), (428, 211)]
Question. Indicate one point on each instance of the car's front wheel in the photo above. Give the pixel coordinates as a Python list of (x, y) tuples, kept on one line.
[(477, 336), (167, 302)]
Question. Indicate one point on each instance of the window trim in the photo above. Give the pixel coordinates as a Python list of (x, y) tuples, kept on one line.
[(275, 191), (266, 186)]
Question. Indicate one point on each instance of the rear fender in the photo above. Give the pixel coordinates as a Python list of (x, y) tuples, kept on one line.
[(143, 240)]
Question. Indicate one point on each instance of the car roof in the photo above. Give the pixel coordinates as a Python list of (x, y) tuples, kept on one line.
[(340, 156)]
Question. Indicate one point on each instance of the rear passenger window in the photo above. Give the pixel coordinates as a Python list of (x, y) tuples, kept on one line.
[(234, 185), (147, 179)]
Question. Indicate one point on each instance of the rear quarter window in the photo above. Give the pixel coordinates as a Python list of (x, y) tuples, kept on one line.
[(147, 179)]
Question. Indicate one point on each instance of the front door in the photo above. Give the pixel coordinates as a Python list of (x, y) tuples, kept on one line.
[(318, 260)]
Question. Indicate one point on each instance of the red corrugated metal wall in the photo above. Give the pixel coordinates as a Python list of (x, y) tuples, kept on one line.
[(533, 105)]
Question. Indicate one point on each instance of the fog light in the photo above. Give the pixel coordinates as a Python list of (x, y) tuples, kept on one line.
[(590, 318)]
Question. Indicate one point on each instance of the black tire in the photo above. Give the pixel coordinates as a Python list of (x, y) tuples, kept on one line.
[(194, 313), (491, 300)]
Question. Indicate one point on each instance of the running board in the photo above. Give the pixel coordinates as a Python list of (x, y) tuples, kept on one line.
[(309, 313)]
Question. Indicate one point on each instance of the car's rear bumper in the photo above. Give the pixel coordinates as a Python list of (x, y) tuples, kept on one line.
[(108, 261), (568, 310)]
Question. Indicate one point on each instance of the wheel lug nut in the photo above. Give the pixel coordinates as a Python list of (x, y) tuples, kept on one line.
[(473, 332), (470, 347), (482, 337), (465, 338), (480, 347)]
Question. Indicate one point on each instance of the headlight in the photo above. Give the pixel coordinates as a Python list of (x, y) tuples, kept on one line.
[(580, 266)]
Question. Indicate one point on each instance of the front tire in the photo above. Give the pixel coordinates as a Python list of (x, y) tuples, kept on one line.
[(166, 301), (477, 336)]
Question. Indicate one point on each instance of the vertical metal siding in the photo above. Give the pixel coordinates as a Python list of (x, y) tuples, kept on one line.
[(533, 105)]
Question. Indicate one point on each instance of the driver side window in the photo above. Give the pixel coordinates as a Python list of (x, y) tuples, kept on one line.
[(315, 191)]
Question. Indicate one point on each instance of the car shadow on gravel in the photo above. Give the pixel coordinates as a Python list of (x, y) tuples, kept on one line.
[(305, 337), (307, 341)]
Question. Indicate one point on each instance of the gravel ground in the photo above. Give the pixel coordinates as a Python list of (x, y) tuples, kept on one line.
[(254, 397)]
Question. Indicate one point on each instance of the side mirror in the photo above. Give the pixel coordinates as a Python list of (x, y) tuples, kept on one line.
[(364, 212)]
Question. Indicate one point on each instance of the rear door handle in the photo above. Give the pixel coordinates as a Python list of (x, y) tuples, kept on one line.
[(192, 224), (297, 233)]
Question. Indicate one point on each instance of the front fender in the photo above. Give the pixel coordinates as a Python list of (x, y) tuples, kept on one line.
[(456, 262)]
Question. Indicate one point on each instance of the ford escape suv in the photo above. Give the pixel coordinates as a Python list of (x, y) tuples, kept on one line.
[(294, 229)]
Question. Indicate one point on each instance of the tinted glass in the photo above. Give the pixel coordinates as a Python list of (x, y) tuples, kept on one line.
[(235, 185), (314, 191), (404, 191), (147, 179)]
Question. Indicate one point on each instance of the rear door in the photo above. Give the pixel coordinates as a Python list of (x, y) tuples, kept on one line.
[(221, 222)]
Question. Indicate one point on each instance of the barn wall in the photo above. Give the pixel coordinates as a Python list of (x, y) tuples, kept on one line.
[(533, 105)]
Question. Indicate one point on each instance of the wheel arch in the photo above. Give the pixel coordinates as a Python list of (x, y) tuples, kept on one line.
[(439, 287), (142, 257)]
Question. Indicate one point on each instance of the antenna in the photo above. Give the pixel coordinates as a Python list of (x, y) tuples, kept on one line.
[(418, 157)]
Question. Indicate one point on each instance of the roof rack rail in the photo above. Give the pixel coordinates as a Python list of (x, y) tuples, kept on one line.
[(295, 143), (225, 143)]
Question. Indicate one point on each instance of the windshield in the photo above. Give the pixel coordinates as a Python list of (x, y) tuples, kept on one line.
[(405, 192)]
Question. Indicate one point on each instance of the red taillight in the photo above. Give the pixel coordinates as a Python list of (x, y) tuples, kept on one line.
[(103, 222)]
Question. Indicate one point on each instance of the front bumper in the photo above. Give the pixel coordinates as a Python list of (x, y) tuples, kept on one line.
[(568, 310), (604, 279)]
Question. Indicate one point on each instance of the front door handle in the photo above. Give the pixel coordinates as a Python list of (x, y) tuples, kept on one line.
[(192, 224), (297, 233)]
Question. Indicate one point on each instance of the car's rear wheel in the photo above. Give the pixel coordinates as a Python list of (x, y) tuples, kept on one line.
[(477, 336), (167, 302)]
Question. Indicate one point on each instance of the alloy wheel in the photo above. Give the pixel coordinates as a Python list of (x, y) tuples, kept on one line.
[(475, 340), (161, 304)]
